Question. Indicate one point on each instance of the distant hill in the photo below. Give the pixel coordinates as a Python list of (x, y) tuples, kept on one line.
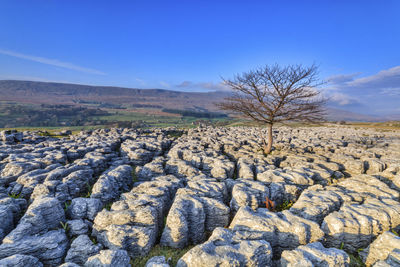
[(344, 115), (63, 93), (75, 94)]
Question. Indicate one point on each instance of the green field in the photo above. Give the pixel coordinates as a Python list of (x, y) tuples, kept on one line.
[(52, 118), (90, 116)]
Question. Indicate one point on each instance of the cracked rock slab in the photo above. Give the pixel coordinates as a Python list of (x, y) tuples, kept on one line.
[(225, 248), (356, 225), (381, 249), (314, 254), (283, 230), (19, 260), (81, 249), (109, 258)]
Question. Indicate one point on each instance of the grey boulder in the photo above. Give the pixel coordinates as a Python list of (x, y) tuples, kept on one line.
[(225, 248), (109, 258), (81, 249), (19, 260), (314, 254)]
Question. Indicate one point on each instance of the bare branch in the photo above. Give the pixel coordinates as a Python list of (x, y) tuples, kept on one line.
[(277, 94)]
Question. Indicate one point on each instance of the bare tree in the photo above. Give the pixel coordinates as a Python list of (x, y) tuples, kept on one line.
[(273, 94)]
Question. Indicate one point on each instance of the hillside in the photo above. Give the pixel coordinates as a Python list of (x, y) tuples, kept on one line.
[(62, 93), (20, 99)]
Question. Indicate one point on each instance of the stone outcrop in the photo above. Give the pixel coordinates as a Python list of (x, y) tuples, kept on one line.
[(314, 254), (107, 197), (283, 230), (226, 248), (386, 247)]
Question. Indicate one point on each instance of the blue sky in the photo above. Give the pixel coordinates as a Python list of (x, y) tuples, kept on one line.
[(189, 45)]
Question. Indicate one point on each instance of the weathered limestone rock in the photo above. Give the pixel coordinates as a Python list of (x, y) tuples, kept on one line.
[(314, 254), (84, 208), (180, 168), (356, 199), (225, 248), (32, 235), (95, 160), (19, 260), (157, 261), (27, 182), (151, 169), (49, 248), (160, 192), (247, 193), (287, 175), (75, 183), (374, 166), (63, 171), (381, 248), (222, 168), (185, 223), (132, 230), (245, 169), (281, 192), (77, 227), (81, 249), (392, 260), (11, 136), (10, 212), (64, 187), (109, 258), (356, 225), (194, 212), (368, 187), (203, 186), (134, 222), (316, 202), (283, 230), (110, 184), (141, 152), (12, 170), (69, 264), (354, 166), (42, 215)]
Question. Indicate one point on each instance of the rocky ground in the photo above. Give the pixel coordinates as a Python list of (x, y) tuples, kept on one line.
[(326, 196)]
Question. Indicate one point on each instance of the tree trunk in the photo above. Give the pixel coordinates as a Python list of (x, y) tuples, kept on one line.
[(268, 146)]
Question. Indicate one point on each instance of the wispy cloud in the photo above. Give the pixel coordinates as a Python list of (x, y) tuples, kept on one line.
[(343, 99), (389, 78), (52, 62), (140, 81), (209, 86), (373, 93), (342, 78), (165, 84)]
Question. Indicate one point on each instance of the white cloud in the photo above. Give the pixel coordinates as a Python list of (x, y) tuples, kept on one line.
[(185, 84), (391, 91), (369, 94), (383, 79), (142, 82), (52, 62), (165, 84), (342, 99), (342, 78), (209, 86)]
